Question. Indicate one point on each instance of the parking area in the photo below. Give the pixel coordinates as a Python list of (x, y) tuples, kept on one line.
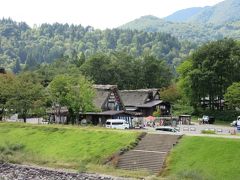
[(196, 129)]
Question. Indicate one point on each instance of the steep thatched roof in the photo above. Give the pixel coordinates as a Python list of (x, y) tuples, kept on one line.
[(151, 104), (100, 98), (103, 92), (134, 97), (139, 97)]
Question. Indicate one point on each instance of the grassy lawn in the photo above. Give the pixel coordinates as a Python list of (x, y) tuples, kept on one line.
[(204, 158), (60, 146)]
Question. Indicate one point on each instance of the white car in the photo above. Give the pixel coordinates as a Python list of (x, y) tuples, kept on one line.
[(167, 128), (205, 119), (117, 124), (234, 123)]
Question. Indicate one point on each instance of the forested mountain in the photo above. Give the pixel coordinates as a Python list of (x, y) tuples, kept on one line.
[(183, 15), (25, 47), (193, 32), (202, 25), (223, 12)]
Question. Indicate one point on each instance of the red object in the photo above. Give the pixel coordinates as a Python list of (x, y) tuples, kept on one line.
[(150, 118)]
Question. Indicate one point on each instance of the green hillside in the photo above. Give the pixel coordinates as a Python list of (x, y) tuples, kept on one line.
[(58, 146), (195, 24), (183, 15), (26, 47), (192, 32), (223, 12), (184, 31)]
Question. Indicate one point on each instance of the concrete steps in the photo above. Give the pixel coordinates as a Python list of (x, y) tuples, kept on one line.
[(149, 154)]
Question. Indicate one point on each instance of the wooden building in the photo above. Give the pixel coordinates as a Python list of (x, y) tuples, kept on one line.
[(109, 104), (58, 114), (145, 101), (114, 104)]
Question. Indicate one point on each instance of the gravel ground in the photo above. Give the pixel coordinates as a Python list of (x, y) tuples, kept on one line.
[(22, 172)]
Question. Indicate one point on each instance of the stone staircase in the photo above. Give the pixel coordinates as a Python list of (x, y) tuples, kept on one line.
[(149, 154)]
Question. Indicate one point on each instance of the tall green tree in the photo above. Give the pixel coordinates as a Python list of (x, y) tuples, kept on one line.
[(97, 67), (7, 82), (126, 71), (76, 93), (27, 97), (215, 66), (232, 96), (155, 72)]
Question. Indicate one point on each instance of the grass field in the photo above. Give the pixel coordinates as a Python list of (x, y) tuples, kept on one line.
[(60, 146), (204, 158)]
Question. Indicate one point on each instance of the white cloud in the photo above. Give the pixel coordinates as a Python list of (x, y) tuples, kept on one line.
[(97, 13)]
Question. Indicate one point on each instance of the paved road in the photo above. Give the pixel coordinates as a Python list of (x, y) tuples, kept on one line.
[(196, 130)]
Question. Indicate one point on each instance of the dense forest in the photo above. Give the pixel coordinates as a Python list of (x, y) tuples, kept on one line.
[(197, 24), (23, 47), (207, 81), (58, 63), (122, 69), (198, 33), (219, 14)]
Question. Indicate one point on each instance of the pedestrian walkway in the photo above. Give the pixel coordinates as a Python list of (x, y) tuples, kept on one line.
[(150, 154)]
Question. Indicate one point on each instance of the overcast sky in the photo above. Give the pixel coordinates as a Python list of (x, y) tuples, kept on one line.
[(97, 13)]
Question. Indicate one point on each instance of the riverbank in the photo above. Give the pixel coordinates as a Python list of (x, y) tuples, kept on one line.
[(23, 172)]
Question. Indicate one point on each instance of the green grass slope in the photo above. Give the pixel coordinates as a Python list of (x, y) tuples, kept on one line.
[(205, 158), (60, 146)]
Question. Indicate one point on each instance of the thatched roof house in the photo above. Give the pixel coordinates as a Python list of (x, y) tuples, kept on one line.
[(109, 104), (144, 100), (107, 98)]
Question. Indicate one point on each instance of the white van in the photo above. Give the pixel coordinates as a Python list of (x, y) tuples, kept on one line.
[(117, 124)]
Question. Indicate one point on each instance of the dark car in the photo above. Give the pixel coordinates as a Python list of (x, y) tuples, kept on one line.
[(211, 120), (208, 119)]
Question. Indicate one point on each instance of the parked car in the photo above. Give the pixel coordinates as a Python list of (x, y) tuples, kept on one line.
[(205, 119), (234, 123), (211, 120), (167, 128), (117, 124), (208, 119)]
